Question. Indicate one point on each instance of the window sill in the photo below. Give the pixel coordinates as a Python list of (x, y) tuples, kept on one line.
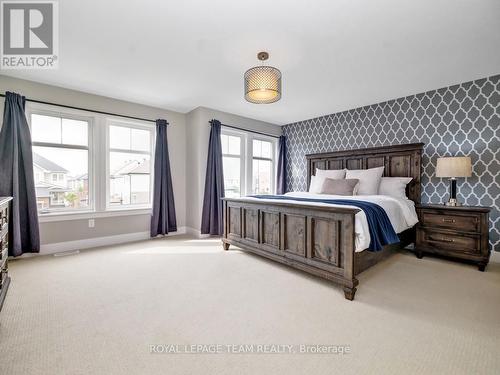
[(60, 216)]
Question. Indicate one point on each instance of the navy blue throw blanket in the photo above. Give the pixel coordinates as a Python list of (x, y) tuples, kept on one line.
[(381, 231)]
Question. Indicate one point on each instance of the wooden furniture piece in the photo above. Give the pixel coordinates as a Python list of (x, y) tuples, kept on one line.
[(460, 232), (4, 247), (320, 240)]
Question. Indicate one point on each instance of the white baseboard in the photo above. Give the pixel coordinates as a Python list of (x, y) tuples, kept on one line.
[(89, 243), (196, 232)]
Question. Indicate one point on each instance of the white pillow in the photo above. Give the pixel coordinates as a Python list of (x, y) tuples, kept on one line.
[(369, 179), (316, 185), (335, 174), (394, 186)]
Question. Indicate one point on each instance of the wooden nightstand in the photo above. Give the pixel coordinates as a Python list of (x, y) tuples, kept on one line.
[(460, 232), (4, 247)]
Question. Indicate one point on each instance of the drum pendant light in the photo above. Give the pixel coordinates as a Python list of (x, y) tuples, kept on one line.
[(262, 83)]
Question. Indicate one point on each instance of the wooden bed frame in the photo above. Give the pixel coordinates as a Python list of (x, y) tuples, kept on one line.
[(320, 240)]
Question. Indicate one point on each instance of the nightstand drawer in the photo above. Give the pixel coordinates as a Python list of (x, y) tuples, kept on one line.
[(437, 240), (4, 217), (448, 221), (3, 277), (4, 248)]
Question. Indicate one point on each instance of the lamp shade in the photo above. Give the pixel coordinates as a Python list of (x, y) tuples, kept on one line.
[(262, 85), (454, 167)]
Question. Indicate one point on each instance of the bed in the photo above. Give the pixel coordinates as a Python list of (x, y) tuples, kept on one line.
[(319, 238)]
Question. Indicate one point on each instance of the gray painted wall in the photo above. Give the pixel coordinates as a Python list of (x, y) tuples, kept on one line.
[(70, 230), (458, 120)]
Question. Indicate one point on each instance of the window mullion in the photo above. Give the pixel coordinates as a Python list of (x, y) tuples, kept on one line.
[(248, 163), (259, 158), (125, 151), (99, 155), (58, 145)]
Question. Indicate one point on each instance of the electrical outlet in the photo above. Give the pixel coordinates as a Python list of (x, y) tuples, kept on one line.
[(91, 223)]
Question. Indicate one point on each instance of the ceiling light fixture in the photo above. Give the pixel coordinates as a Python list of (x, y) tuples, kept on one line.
[(262, 83)]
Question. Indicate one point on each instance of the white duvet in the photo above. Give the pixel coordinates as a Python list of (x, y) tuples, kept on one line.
[(401, 212)]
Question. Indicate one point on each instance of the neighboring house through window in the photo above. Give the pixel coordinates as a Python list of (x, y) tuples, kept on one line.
[(60, 151), (130, 172), (87, 162)]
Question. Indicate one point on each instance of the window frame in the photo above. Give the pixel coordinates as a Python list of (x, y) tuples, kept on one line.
[(246, 158), (54, 111), (241, 156), (272, 159), (110, 121), (98, 142)]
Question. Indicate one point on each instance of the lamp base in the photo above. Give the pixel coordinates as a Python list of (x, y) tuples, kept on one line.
[(453, 203)]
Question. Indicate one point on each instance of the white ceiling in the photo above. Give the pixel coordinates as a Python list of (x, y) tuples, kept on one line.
[(334, 54)]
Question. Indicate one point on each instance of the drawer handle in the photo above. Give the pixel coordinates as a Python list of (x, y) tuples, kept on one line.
[(448, 220), (442, 239)]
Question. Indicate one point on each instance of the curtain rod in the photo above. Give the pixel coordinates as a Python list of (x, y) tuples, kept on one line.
[(87, 110), (250, 131)]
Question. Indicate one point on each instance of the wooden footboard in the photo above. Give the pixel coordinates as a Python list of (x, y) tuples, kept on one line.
[(314, 239)]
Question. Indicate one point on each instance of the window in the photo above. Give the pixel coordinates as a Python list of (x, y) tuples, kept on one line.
[(129, 174), (60, 158), (86, 163), (262, 167), (232, 164), (248, 163)]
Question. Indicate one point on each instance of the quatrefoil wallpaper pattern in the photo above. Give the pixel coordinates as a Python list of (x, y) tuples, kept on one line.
[(458, 120)]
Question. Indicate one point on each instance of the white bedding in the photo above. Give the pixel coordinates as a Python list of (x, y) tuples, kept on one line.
[(401, 212)]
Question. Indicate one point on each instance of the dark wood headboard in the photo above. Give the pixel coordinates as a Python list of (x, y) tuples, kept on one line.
[(399, 161)]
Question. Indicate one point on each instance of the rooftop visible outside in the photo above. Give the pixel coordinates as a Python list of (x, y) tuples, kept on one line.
[(61, 164)]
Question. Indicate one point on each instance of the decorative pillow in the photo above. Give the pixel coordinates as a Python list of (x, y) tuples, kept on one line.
[(369, 179), (321, 175), (394, 186), (315, 185), (339, 187)]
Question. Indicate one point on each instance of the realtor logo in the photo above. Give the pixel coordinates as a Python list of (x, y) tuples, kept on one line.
[(29, 34)]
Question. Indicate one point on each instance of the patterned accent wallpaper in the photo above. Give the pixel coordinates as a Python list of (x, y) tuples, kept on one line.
[(458, 120)]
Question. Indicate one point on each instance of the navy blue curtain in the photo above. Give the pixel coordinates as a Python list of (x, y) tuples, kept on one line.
[(16, 177), (163, 219), (281, 175), (212, 215)]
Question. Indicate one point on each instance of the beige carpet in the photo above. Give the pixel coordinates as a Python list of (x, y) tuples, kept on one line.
[(98, 313)]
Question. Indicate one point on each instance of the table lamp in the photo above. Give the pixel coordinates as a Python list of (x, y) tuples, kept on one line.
[(453, 167)]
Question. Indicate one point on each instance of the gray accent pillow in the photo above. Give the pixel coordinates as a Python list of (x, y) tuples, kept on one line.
[(339, 187)]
